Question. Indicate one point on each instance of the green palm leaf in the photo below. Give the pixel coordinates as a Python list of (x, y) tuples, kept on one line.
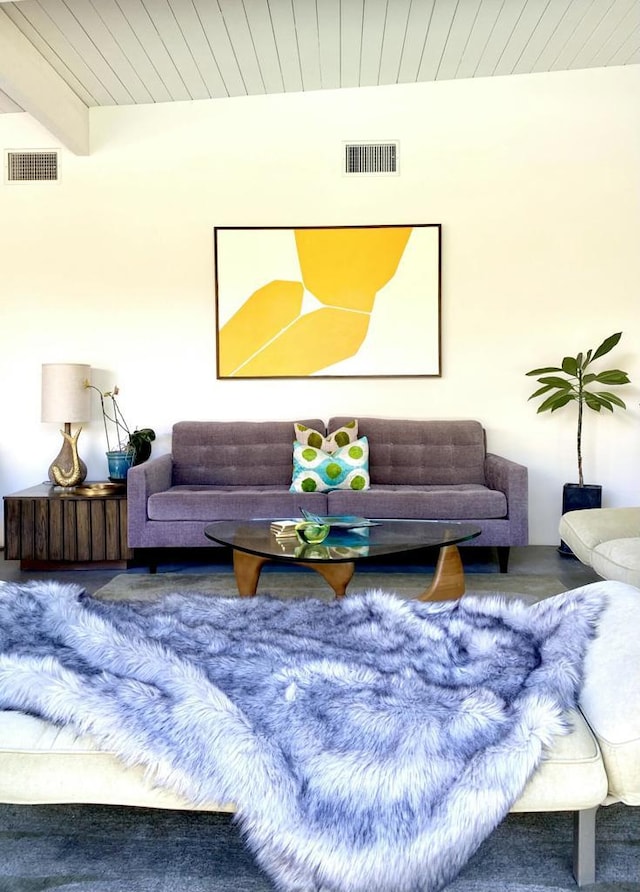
[(557, 401)]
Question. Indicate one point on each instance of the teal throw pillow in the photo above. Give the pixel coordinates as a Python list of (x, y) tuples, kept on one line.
[(340, 437), (317, 471)]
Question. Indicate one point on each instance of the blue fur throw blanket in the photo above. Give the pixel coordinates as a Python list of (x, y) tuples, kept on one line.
[(370, 744)]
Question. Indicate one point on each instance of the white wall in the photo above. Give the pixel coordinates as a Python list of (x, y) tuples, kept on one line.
[(534, 179)]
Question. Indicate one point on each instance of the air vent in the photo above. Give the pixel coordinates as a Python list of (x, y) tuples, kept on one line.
[(371, 158), (29, 167)]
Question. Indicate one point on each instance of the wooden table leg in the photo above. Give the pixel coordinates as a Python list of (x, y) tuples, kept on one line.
[(448, 581), (246, 568), (337, 575)]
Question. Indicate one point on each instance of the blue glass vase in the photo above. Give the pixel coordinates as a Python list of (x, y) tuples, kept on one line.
[(119, 463)]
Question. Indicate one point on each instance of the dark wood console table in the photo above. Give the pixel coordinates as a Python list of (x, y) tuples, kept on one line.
[(48, 528)]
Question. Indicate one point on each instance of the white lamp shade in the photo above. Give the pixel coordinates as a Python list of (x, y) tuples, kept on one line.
[(64, 396)]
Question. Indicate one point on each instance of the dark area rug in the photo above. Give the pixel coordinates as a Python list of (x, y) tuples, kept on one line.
[(89, 848)]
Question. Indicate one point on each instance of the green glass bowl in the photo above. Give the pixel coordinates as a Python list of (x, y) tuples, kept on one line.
[(312, 533)]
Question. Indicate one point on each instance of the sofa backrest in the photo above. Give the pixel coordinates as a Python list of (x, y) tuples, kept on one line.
[(230, 453), (421, 451)]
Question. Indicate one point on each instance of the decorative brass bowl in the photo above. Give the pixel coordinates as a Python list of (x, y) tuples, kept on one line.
[(99, 489)]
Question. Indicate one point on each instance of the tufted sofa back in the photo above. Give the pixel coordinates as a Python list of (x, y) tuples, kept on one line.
[(248, 453), (234, 453), (421, 452)]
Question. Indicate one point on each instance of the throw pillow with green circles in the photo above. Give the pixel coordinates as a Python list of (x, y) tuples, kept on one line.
[(318, 471)]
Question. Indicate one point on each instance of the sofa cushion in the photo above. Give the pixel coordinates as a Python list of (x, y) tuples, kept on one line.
[(317, 471), (587, 528), (607, 539), (209, 503), (610, 697), (329, 443), (618, 559), (460, 502), (234, 453), (42, 763), (422, 452), (572, 775)]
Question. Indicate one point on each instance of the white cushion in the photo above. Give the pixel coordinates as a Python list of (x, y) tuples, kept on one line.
[(587, 531), (591, 526), (41, 763), (618, 559), (610, 697), (606, 539), (572, 775)]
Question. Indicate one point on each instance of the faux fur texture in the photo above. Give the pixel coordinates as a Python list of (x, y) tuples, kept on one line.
[(370, 744)]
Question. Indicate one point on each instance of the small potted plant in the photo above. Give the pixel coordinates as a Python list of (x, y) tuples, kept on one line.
[(581, 385), (124, 448)]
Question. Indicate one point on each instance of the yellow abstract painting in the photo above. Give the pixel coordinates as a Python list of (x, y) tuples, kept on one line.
[(327, 301)]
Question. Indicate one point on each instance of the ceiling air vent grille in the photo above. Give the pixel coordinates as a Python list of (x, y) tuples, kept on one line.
[(31, 166), (371, 158)]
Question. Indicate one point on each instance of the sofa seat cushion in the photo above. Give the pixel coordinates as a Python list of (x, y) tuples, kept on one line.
[(447, 502), (209, 503), (584, 530), (610, 697), (572, 775), (618, 559), (41, 763)]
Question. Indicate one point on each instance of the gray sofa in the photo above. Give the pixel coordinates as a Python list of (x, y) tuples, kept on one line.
[(239, 470)]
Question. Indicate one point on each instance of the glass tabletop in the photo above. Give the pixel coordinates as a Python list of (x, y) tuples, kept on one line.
[(384, 538)]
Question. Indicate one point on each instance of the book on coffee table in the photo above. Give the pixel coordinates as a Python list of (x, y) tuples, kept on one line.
[(284, 528)]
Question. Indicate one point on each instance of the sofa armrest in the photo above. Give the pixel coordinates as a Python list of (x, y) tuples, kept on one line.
[(610, 696), (511, 478), (142, 481)]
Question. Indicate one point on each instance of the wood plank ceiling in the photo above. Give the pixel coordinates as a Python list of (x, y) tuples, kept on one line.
[(126, 52)]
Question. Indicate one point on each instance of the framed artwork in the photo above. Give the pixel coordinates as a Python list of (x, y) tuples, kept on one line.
[(328, 301)]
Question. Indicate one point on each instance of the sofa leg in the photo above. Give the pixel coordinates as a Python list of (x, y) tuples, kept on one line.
[(584, 846), (503, 557)]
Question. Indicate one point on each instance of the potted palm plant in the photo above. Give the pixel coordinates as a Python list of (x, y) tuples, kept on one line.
[(574, 381), (125, 448)]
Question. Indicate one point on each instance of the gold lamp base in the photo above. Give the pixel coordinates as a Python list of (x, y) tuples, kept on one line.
[(67, 469)]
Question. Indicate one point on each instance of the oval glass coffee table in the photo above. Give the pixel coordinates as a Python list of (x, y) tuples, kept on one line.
[(254, 544)]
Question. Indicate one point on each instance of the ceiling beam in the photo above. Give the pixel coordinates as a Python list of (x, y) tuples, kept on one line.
[(35, 86)]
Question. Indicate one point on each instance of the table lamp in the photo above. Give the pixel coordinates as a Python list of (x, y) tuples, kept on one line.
[(66, 400)]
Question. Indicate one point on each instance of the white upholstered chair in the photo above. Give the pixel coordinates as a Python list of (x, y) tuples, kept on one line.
[(607, 540)]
